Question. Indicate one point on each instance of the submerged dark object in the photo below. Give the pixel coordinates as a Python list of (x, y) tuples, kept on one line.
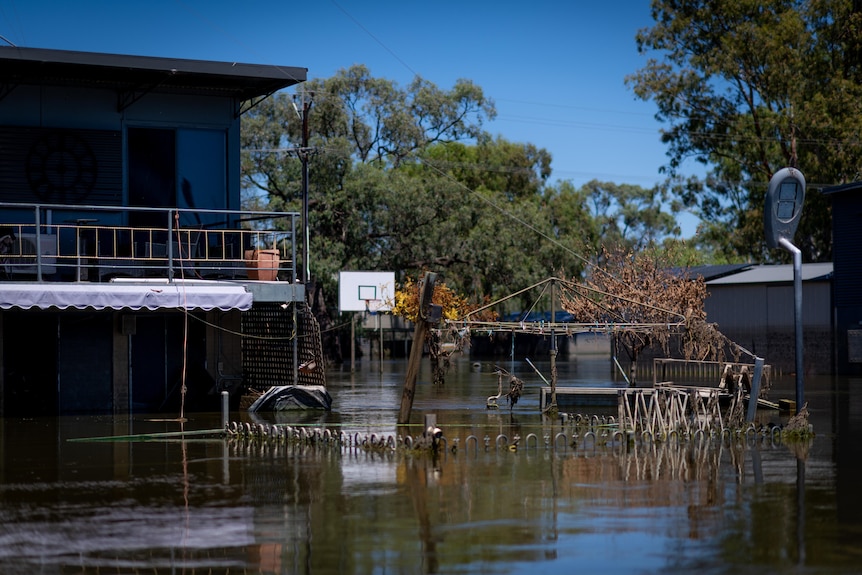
[(290, 397)]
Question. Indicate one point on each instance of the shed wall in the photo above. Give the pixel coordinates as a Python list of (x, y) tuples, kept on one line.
[(760, 318)]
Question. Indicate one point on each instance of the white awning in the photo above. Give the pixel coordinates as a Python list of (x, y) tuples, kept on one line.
[(132, 296)]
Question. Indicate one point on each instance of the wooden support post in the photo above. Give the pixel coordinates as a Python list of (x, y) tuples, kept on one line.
[(425, 294)]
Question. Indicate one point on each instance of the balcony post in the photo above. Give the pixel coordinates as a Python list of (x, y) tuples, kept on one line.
[(38, 220), (169, 245)]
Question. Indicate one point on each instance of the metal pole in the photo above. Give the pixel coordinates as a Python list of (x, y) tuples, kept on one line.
[(225, 409), (380, 343), (39, 245), (797, 312), (353, 342), (755, 389), (170, 245), (306, 272), (295, 344), (553, 404)]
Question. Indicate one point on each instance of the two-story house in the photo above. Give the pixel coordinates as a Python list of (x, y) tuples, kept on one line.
[(127, 281)]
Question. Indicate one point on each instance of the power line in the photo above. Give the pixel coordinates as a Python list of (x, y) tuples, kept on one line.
[(573, 107), (561, 123), (239, 42), (375, 38), (14, 22)]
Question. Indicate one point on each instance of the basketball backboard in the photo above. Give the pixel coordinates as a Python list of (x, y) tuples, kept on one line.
[(366, 291)]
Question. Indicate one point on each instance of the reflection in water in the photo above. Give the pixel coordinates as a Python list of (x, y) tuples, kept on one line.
[(209, 505)]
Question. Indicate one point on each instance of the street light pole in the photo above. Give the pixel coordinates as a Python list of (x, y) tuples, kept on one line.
[(781, 213), (797, 318)]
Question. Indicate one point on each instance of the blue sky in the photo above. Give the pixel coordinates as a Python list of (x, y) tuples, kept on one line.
[(555, 69)]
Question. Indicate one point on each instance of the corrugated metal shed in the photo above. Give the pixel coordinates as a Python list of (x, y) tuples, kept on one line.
[(755, 308), (711, 272)]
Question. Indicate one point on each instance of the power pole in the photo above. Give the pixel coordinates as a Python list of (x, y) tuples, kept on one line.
[(304, 154)]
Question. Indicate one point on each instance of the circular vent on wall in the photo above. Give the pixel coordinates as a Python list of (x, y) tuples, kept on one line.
[(61, 168)]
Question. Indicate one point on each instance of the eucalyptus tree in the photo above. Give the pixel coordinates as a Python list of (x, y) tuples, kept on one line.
[(747, 87), (407, 179), (361, 131), (506, 231), (627, 216)]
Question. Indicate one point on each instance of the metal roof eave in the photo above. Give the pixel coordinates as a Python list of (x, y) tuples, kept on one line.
[(772, 274), (38, 66), (851, 187)]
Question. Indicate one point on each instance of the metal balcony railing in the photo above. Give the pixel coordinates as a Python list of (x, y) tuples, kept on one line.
[(55, 242)]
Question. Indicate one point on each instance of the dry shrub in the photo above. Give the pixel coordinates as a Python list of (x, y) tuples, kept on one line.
[(645, 301)]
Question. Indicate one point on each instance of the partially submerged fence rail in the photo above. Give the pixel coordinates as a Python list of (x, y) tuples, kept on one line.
[(707, 373), (670, 411)]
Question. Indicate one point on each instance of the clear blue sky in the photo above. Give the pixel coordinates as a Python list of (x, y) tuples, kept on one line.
[(555, 69)]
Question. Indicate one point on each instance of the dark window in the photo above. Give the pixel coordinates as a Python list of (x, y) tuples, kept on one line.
[(152, 174)]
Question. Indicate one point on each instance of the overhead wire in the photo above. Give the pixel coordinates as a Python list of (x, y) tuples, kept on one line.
[(556, 121), (13, 21), (586, 261), (375, 38), (227, 34)]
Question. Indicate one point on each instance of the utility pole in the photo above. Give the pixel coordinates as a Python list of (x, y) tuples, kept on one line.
[(553, 405), (304, 153)]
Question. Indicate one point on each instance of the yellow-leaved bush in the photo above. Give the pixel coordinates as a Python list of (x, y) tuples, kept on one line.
[(454, 306)]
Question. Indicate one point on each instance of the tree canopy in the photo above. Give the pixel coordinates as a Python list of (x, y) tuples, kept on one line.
[(408, 179), (747, 87)]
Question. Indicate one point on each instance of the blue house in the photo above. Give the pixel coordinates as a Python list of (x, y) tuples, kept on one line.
[(132, 281)]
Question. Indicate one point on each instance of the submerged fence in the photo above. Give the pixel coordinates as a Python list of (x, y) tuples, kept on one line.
[(705, 373), (576, 433)]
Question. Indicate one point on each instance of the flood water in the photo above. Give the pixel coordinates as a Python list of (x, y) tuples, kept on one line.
[(141, 503)]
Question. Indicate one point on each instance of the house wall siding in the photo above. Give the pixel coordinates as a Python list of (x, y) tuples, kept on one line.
[(89, 121), (98, 109), (61, 107)]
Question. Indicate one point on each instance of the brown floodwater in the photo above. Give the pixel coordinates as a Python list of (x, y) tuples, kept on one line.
[(145, 503)]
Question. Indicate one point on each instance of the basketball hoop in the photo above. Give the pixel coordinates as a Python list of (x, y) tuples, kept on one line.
[(373, 306)]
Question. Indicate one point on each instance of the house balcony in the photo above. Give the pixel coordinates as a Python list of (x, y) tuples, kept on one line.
[(64, 249)]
